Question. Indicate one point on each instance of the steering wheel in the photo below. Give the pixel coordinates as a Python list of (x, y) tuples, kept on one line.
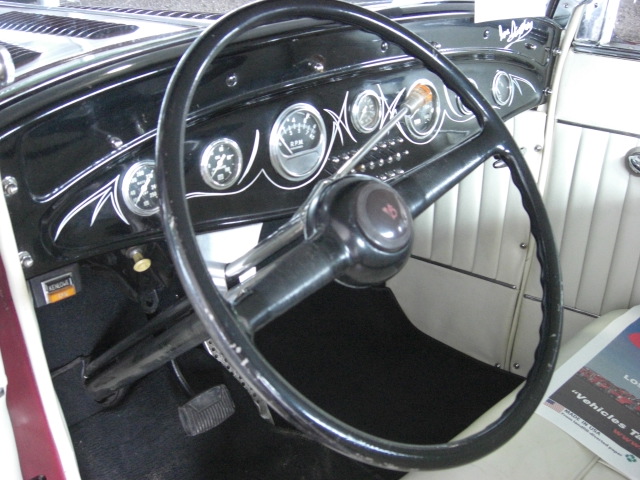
[(355, 229)]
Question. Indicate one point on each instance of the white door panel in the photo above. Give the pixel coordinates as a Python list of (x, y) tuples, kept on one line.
[(463, 289), (592, 198), (468, 313), (595, 92), (480, 224)]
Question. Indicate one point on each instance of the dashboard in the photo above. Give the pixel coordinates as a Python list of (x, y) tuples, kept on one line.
[(277, 112)]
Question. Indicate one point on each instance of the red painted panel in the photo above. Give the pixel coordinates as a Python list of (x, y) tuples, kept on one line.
[(36, 448)]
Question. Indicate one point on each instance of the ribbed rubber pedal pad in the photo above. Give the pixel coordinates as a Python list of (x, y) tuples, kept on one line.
[(207, 410)]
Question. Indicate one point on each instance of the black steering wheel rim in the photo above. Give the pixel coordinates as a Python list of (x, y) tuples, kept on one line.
[(221, 322)]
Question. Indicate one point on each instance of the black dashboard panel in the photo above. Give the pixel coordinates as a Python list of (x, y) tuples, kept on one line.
[(72, 156)]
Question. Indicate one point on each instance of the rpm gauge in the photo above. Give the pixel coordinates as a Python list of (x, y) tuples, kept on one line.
[(298, 142), (221, 163), (139, 189)]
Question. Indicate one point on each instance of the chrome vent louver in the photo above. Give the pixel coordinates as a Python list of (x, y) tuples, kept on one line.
[(156, 13), (20, 56), (63, 26)]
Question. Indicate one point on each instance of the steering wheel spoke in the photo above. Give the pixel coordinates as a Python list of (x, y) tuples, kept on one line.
[(287, 281), (435, 177)]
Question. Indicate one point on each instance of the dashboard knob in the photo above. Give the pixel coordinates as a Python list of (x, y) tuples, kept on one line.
[(140, 262), (633, 160)]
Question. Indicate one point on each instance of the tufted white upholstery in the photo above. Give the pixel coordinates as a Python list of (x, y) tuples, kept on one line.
[(478, 227), (592, 198)]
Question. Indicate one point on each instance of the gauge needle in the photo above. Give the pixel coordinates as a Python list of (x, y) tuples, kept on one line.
[(144, 188), (284, 144), (219, 164)]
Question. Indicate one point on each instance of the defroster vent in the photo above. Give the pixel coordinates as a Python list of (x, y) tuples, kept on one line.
[(63, 26), (20, 56)]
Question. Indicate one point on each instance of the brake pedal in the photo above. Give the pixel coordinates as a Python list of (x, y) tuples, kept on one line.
[(206, 410)]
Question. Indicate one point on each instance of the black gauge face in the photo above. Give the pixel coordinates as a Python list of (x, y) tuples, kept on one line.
[(502, 88), (422, 123), (366, 111), (139, 188), (298, 142), (221, 163)]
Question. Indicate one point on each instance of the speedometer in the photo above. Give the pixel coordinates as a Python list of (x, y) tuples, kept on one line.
[(298, 142)]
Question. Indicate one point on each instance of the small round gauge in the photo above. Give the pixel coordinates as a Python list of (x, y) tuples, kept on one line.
[(422, 123), (366, 111), (502, 88), (139, 189), (221, 163), (298, 142)]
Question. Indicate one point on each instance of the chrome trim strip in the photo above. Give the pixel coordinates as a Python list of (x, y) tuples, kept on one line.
[(571, 309), (600, 129), (465, 272), (607, 51)]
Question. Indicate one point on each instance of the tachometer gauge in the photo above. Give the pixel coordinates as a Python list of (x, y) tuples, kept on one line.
[(366, 111), (221, 163), (139, 189), (298, 142), (422, 123)]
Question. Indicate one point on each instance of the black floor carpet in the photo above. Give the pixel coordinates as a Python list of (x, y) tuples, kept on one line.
[(352, 351), (356, 354), (143, 439)]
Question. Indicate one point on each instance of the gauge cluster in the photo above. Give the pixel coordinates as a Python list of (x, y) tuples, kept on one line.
[(260, 154), (261, 159), (254, 147)]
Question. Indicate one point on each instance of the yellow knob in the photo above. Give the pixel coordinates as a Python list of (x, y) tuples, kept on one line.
[(140, 264)]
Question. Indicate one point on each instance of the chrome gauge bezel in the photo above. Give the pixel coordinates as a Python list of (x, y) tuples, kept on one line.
[(498, 96), (462, 108), (357, 110), (208, 155), (298, 166), (414, 132), (150, 187)]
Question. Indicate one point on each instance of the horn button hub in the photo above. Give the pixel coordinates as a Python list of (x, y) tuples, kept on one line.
[(372, 221), (383, 217)]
